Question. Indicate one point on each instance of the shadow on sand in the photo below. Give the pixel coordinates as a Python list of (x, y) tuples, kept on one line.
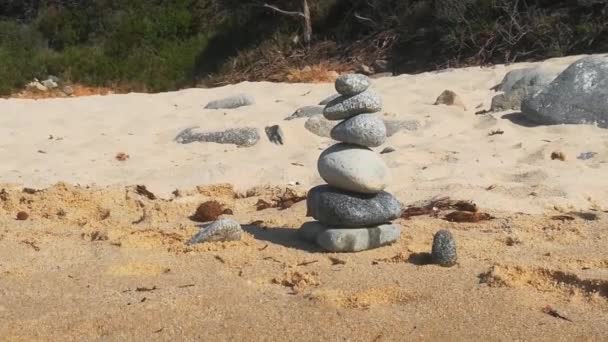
[(287, 237), (420, 259), (520, 118)]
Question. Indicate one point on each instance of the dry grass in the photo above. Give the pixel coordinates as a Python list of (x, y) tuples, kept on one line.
[(79, 90), (320, 73)]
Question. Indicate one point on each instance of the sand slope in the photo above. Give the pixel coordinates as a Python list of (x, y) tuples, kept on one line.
[(102, 261)]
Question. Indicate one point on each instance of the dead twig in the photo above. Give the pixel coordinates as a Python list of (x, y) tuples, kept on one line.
[(553, 313), (306, 263), (146, 289), (31, 244)]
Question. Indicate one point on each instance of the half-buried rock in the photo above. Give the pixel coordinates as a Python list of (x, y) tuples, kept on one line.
[(352, 84), (353, 168), (338, 208), (364, 130), (231, 102), (344, 107), (220, 230), (246, 136), (358, 239)]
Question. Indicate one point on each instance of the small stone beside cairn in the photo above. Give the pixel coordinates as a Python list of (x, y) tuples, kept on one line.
[(353, 211)]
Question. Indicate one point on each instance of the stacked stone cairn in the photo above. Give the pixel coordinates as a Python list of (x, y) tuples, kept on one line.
[(352, 211)]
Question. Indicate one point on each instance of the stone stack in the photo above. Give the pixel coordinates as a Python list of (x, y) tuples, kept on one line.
[(352, 210)]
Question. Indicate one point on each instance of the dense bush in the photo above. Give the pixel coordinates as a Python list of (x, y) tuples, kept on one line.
[(157, 45)]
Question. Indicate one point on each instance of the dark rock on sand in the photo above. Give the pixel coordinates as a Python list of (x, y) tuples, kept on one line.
[(579, 95), (275, 134), (444, 249), (337, 208)]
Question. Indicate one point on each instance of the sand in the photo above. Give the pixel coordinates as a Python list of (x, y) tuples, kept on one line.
[(96, 259)]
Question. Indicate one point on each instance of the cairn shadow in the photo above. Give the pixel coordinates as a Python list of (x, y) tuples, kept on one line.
[(521, 119), (420, 259), (286, 237)]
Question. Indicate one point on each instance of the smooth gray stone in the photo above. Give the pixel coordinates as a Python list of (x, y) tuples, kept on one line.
[(329, 99), (221, 230), (365, 130), (579, 95), (444, 249), (275, 134), (320, 126), (231, 102), (353, 168), (345, 107), (539, 75), (395, 126), (511, 100), (352, 84), (346, 209), (246, 136), (306, 112), (359, 239)]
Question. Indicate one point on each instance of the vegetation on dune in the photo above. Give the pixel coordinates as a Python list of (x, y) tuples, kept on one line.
[(157, 45)]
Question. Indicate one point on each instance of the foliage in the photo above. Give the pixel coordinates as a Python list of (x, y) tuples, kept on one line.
[(158, 45)]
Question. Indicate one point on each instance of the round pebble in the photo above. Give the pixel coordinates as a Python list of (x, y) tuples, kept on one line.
[(352, 84), (365, 130), (353, 168), (345, 107)]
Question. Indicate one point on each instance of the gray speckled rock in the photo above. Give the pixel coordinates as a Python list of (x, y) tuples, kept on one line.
[(539, 75), (247, 136), (275, 134), (353, 168), (579, 95), (345, 209), (344, 107), (352, 84), (306, 112), (231, 102), (395, 126), (320, 126), (364, 130), (221, 230), (444, 249), (329, 99), (359, 239), (528, 85)]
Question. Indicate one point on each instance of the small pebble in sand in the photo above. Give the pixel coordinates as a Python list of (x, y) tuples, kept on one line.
[(22, 216), (387, 150), (558, 155), (444, 249)]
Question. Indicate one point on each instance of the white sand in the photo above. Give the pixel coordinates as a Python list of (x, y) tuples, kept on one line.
[(451, 154)]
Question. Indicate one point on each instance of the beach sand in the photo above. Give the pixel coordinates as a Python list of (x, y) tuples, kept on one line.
[(100, 259)]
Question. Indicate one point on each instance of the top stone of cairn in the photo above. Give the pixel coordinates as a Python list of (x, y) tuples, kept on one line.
[(352, 84)]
